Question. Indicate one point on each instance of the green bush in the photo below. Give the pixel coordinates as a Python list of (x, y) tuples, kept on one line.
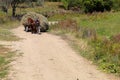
[(108, 4), (89, 5), (97, 5), (116, 5)]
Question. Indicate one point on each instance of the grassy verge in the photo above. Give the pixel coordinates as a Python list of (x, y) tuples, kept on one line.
[(6, 24), (5, 32), (5, 58)]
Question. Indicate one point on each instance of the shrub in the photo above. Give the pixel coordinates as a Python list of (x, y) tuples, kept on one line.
[(89, 5), (97, 5), (108, 4)]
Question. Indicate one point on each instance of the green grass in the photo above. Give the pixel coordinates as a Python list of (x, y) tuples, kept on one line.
[(106, 24), (6, 24), (6, 34), (5, 58)]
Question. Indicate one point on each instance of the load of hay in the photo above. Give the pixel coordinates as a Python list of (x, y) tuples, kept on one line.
[(43, 20)]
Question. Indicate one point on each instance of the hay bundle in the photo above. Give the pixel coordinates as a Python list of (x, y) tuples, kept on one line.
[(34, 16)]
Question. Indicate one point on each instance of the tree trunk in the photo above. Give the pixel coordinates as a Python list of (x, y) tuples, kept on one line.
[(13, 11)]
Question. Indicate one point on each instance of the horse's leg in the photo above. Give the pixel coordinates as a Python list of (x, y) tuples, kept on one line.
[(32, 30)]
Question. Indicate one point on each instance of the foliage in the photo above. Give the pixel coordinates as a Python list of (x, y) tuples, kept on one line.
[(14, 4), (116, 5), (65, 4), (89, 5), (97, 5), (70, 3)]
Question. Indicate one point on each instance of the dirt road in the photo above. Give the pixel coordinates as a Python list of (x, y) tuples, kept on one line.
[(48, 57)]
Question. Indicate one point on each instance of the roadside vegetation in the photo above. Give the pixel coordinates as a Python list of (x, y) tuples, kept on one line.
[(99, 34), (5, 58), (6, 55)]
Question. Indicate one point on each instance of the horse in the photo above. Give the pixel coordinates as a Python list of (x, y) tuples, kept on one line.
[(34, 25)]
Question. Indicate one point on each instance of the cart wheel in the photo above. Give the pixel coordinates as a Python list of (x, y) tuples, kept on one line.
[(38, 30), (26, 29)]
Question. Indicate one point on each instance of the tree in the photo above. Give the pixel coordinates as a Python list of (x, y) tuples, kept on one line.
[(4, 5), (14, 4), (97, 5)]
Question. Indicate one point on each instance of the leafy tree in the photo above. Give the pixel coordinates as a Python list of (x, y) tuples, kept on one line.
[(97, 5), (4, 5), (14, 4), (108, 4)]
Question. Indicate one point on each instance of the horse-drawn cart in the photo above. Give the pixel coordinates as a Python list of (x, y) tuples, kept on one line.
[(33, 26), (35, 23)]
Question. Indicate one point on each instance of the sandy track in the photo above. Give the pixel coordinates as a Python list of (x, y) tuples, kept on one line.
[(48, 57)]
